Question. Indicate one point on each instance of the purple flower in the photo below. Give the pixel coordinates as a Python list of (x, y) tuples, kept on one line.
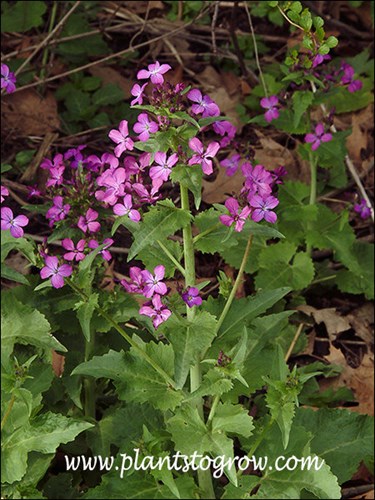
[(155, 72), (14, 224), (231, 164), (161, 173), (74, 253), (191, 297), (258, 179), (95, 163), (58, 211), (236, 216), (319, 58), (144, 127), (144, 195), (56, 176), (363, 209), (318, 137), (204, 104), (114, 182), (348, 78), (154, 284), (104, 253), (4, 193), (126, 208), (57, 273), (270, 104), (203, 158), (137, 92), (57, 162), (8, 79), (120, 137), (278, 173), (136, 283), (77, 156), (33, 191), (159, 312), (89, 222), (226, 129), (263, 208)]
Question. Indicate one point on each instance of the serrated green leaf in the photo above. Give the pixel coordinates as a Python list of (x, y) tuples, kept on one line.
[(85, 311), (77, 104), (232, 419), (109, 365), (191, 178), (109, 94), (22, 16), (153, 256), (302, 100)]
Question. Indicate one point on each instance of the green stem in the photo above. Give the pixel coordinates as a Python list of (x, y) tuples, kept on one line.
[(129, 340), (207, 231), (46, 51), (89, 382), (8, 411), (204, 476), (258, 441), (213, 410), (172, 258), (236, 284)]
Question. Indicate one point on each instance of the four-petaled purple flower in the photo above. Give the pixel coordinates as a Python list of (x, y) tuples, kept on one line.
[(155, 72), (57, 162), (226, 129), (161, 172), (201, 157), (204, 104), (126, 208), (263, 208), (231, 164), (8, 79), (74, 252), (4, 193), (120, 137), (58, 211), (258, 180), (237, 216), (144, 127), (348, 78), (154, 284), (270, 104), (191, 297), (319, 137), (56, 272), (104, 253), (88, 223), (56, 176), (362, 209), (14, 224), (156, 310), (137, 92), (136, 283)]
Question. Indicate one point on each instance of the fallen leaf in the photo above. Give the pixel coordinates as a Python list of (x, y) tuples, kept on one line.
[(334, 322), (58, 363), (109, 75), (362, 322), (217, 191)]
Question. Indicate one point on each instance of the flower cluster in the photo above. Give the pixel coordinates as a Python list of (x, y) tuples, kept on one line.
[(362, 209), (8, 79)]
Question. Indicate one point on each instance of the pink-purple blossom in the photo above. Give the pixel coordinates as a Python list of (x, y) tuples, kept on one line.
[(56, 272), (362, 209), (104, 252), (144, 127), (120, 137), (263, 208), (8, 79), (155, 72), (114, 182), (202, 157), (231, 164), (319, 137), (226, 129), (75, 252), (156, 310), (126, 208), (348, 78), (160, 173), (137, 92), (56, 176), (14, 224), (319, 58), (257, 179), (191, 297), (57, 162), (203, 104), (136, 284), (4, 193), (88, 222), (58, 211), (237, 216), (153, 283), (270, 103)]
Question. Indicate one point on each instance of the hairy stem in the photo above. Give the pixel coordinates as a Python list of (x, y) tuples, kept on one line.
[(8, 411), (236, 284), (204, 476), (171, 257)]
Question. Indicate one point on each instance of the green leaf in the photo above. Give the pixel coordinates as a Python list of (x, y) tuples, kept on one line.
[(159, 222), (109, 94), (22, 16), (190, 340), (109, 365), (232, 419), (332, 42), (343, 451), (90, 83), (191, 178), (302, 100), (85, 310), (153, 255), (77, 104), (215, 240), (24, 325), (44, 434), (359, 278), (13, 275), (23, 245)]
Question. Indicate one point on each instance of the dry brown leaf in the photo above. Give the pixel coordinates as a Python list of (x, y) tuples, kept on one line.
[(58, 363), (109, 75), (362, 121), (334, 322), (18, 262), (362, 321), (141, 7), (360, 380), (272, 154), (27, 113), (216, 191)]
